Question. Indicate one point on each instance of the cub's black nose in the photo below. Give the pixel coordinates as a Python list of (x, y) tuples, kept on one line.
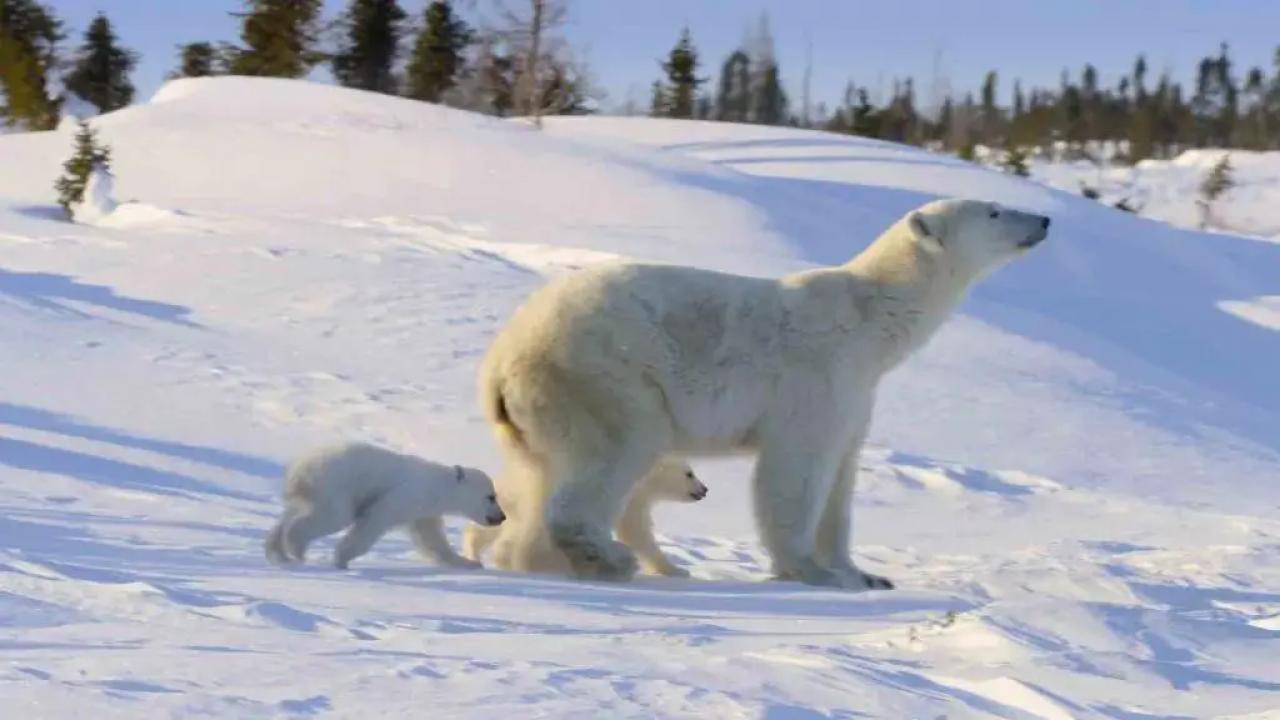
[(1044, 223)]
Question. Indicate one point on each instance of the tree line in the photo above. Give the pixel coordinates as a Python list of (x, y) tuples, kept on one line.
[(1144, 117), (518, 63)]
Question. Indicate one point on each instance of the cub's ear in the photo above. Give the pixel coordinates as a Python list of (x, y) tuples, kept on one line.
[(926, 234)]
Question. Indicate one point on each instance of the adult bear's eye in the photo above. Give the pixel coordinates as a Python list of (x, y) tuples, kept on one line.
[(688, 474)]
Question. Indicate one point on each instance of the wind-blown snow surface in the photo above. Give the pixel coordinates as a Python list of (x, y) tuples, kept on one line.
[(1075, 486)]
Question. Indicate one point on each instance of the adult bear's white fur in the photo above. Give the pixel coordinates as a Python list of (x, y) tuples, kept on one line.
[(373, 490), (523, 543), (603, 371)]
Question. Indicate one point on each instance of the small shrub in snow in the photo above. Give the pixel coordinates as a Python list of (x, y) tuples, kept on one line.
[(1219, 180), (1015, 162), (89, 154)]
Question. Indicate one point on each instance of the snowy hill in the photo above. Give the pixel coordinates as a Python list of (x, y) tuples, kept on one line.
[(1168, 190), (1077, 486)]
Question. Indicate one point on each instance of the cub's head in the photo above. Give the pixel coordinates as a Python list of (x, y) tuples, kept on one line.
[(673, 480), (476, 499), (975, 237)]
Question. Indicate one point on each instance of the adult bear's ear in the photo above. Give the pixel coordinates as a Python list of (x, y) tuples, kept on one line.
[(922, 226)]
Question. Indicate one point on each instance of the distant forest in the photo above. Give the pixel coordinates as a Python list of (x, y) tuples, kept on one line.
[(516, 62)]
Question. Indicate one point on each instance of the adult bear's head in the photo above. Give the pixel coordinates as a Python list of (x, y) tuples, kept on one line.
[(975, 237)]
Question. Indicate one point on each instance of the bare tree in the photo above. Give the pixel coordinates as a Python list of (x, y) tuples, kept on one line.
[(532, 36)]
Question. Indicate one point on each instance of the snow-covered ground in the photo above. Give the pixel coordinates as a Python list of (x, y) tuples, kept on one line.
[(1168, 190), (1076, 486)]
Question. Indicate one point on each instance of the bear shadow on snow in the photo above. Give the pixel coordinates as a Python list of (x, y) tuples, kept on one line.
[(56, 293)]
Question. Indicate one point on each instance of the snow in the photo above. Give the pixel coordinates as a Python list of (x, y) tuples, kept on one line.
[(99, 199), (1075, 486), (1169, 190)]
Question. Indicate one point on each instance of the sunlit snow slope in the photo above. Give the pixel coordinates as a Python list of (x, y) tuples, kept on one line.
[(1076, 486)]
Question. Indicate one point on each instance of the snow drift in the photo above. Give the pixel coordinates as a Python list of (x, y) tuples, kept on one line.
[(1075, 485)]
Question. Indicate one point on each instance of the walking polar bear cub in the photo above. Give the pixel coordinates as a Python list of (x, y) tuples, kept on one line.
[(605, 370), (523, 543), (372, 490)]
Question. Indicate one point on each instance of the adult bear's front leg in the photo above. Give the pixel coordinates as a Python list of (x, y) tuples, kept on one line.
[(836, 528), (793, 479)]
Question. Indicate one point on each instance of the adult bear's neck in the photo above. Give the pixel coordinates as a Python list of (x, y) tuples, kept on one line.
[(908, 293)]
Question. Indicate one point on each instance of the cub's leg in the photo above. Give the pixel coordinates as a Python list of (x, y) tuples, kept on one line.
[(428, 537)]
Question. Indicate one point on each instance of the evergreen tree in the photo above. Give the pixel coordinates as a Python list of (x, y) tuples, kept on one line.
[(368, 54), (1253, 133), (942, 127), (88, 155), (768, 100), (197, 59), (438, 53), (280, 38), (29, 36), (681, 67), (498, 78), (866, 119), (566, 89), (1218, 181), (990, 113), (101, 71), (1091, 106), (1015, 161), (733, 98)]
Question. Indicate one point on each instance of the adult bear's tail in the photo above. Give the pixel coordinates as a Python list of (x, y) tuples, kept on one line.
[(499, 413)]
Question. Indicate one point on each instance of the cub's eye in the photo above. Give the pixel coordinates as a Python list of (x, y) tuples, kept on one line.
[(493, 497), (994, 214), (688, 474)]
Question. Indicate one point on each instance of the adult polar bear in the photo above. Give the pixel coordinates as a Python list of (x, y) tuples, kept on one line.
[(603, 371)]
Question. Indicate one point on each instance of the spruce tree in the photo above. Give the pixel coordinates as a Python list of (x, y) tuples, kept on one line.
[(990, 114), (1218, 181), (437, 54), (770, 100), (368, 54), (681, 67), (733, 97), (75, 176), (499, 82), (279, 38), (29, 36), (1015, 161), (1253, 133), (197, 59), (101, 71)]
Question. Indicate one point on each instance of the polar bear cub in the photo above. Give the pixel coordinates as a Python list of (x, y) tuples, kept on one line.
[(371, 490), (670, 480)]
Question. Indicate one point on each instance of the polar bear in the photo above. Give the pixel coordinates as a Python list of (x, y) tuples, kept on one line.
[(530, 550), (373, 490), (604, 370)]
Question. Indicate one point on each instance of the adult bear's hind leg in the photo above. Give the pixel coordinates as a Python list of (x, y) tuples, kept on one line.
[(590, 495)]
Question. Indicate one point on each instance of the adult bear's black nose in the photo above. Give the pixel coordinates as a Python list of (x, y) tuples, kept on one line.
[(1044, 223)]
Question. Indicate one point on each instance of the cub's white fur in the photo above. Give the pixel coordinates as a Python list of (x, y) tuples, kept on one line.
[(528, 548), (604, 370), (372, 490)]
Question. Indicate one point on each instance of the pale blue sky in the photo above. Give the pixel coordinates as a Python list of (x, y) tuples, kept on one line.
[(870, 42)]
